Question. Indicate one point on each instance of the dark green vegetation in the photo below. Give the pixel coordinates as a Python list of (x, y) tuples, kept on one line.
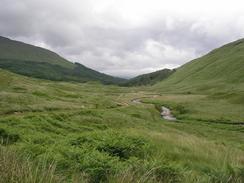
[(37, 62), (221, 70), (149, 79), (72, 132)]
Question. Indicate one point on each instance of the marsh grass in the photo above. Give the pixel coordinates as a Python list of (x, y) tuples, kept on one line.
[(95, 133), (15, 167)]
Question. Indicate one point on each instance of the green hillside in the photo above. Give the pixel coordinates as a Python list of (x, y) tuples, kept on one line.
[(37, 62), (221, 70), (15, 50), (150, 78)]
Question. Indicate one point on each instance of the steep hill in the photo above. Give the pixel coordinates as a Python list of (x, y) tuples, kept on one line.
[(220, 70), (38, 62), (150, 78)]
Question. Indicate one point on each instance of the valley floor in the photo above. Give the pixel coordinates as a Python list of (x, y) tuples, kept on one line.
[(68, 132)]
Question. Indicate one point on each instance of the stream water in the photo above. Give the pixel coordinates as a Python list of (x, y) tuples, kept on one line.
[(166, 114)]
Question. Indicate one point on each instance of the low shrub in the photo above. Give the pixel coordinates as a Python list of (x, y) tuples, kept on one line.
[(104, 153), (180, 109), (8, 138), (115, 144)]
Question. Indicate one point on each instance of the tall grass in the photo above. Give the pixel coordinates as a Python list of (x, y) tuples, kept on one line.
[(14, 167), (19, 168)]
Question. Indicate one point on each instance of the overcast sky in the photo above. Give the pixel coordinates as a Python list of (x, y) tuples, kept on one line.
[(124, 37)]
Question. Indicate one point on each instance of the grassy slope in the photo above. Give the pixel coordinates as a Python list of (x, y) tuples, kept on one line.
[(222, 70), (96, 130), (37, 62), (15, 50), (150, 78)]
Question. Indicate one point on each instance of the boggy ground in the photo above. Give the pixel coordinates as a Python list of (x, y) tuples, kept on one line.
[(94, 133)]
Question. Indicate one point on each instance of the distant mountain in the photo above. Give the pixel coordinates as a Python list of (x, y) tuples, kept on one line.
[(220, 70), (41, 63), (150, 78)]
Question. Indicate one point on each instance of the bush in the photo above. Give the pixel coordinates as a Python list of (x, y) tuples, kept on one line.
[(98, 165), (115, 144), (104, 153), (8, 138), (180, 109)]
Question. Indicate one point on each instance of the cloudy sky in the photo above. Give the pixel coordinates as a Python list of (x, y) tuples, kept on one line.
[(124, 37)]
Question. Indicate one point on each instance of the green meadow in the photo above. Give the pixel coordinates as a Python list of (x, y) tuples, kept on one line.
[(87, 132)]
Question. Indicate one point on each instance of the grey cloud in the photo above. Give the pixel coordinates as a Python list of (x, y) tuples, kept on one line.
[(108, 43)]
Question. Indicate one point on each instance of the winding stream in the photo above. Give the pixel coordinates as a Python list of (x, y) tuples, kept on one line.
[(165, 112)]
